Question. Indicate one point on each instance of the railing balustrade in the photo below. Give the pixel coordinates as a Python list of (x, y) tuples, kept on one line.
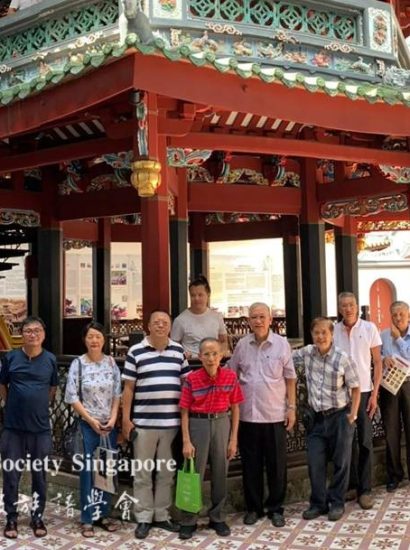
[(62, 417)]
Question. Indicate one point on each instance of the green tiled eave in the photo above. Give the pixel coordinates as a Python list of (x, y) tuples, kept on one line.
[(290, 78)]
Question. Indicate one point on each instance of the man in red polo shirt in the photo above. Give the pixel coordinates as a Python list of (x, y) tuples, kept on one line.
[(208, 395)]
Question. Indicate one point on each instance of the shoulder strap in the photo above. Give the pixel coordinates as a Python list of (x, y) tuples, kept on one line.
[(80, 380)]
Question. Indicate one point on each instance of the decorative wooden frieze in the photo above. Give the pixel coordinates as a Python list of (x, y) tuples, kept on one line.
[(365, 227), (76, 244), (183, 158), (363, 207), (25, 218)]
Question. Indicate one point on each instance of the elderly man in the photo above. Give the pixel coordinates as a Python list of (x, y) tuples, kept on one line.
[(17, 5), (28, 381), (151, 419), (263, 363), (331, 378), (361, 341), (396, 408)]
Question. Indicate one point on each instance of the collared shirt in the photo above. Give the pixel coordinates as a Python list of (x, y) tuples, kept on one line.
[(262, 371), (205, 394), (329, 377), (357, 344), (157, 376), (399, 346)]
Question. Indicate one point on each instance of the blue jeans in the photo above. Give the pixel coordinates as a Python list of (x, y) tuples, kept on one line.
[(331, 438), (95, 504)]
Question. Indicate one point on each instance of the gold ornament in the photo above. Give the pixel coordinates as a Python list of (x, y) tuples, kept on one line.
[(146, 177)]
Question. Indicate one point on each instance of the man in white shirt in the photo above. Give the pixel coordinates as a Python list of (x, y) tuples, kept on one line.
[(361, 341), (17, 5)]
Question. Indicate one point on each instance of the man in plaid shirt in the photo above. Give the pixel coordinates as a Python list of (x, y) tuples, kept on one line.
[(334, 396)]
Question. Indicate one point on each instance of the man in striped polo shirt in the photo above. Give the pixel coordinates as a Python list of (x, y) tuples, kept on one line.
[(152, 387)]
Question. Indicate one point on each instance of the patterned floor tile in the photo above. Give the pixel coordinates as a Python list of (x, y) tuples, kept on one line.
[(385, 543), (347, 543), (360, 515), (354, 528), (309, 540), (397, 515), (391, 529), (385, 527), (319, 525), (273, 536)]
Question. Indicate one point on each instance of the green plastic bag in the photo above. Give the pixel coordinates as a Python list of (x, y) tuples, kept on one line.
[(189, 491)]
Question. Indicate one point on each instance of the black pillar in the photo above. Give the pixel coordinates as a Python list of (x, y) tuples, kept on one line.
[(178, 232), (293, 286), (199, 257), (347, 269), (50, 285), (102, 275), (199, 262), (312, 242)]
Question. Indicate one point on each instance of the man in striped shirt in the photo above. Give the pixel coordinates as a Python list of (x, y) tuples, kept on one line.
[(152, 376)]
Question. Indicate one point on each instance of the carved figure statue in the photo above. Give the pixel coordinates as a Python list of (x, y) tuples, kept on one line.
[(133, 20)]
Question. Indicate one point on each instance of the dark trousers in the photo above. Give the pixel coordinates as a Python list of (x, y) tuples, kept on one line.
[(395, 409), (362, 450), (330, 439), (263, 445), (15, 446)]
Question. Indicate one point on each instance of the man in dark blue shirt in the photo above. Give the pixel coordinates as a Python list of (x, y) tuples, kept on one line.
[(28, 381)]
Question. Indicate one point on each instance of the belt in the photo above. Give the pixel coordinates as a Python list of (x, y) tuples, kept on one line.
[(209, 416), (329, 412)]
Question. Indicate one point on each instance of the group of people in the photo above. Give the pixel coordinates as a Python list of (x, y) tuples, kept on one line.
[(249, 403)]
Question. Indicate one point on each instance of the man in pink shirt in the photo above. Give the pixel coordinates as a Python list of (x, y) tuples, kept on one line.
[(263, 363)]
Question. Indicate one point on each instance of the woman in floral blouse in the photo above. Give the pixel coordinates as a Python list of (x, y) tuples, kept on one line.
[(98, 409)]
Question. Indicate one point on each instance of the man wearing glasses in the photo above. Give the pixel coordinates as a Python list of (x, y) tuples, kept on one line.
[(28, 381)]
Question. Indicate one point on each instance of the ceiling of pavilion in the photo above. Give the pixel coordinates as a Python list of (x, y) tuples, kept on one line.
[(362, 65)]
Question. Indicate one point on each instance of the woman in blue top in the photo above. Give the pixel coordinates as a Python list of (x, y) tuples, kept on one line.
[(98, 409)]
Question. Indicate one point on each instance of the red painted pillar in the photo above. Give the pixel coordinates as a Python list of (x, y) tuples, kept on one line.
[(155, 226)]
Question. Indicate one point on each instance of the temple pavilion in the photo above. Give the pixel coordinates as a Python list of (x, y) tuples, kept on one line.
[(191, 121)]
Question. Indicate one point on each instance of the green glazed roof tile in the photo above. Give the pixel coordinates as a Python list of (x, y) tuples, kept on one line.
[(331, 85)]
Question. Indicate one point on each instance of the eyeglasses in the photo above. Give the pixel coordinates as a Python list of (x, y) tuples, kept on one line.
[(32, 331)]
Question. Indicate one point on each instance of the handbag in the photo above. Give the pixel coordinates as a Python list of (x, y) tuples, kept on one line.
[(73, 437), (105, 474), (189, 490)]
